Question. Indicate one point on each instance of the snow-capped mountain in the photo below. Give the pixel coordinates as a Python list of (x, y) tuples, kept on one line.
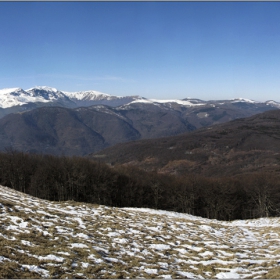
[(273, 103), (195, 111), (11, 97), (92, 97), (47, 93), (87, 95), (185, 102)]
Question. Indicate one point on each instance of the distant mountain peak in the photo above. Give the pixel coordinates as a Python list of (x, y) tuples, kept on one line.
[(12, 97), (273, 103), (240, 99), (46, 88), (9, 90), (183, 102), (47, 94), (86, 95)]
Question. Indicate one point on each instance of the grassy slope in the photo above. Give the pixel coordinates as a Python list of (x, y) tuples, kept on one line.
[(39, 238)]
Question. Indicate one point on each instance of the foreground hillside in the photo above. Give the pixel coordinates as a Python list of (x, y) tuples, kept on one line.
[(246, 145), (42, 239)]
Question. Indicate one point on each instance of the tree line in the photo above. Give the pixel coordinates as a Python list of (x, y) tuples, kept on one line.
[(81, 179)]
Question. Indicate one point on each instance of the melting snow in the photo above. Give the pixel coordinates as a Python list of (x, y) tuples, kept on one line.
[(97, 242)]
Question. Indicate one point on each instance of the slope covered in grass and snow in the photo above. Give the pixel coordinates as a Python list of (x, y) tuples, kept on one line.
[(42, 239)]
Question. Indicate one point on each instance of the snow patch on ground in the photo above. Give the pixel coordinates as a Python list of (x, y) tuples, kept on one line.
[(98, 242)]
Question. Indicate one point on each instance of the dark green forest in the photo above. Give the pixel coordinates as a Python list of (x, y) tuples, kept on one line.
[(80, 179)]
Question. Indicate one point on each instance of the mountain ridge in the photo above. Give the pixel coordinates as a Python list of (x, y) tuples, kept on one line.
[(86, 130), (17, 96), (47, 94), (238, 147)]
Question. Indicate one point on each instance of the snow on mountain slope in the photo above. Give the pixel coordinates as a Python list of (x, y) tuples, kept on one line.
[(17, 97), (87, 95), (47, 93), (242, 100), (165, 101), (273, 103), (7, 91), (44, 239), (46, 88), (250, 101)]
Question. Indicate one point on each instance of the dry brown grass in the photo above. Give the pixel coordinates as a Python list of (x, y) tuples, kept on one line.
[(179, 233), (12, 270), (273, 273)]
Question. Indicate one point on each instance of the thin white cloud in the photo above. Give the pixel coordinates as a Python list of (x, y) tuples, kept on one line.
[(87, 78)]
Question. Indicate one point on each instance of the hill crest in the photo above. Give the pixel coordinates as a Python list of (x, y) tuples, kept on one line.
[(241, 146)]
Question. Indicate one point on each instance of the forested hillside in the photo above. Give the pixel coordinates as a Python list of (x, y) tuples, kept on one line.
[(78, 131), (242, 146), (80, 179)]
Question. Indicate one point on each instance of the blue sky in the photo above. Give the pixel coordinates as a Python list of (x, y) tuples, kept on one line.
[(206, 50)]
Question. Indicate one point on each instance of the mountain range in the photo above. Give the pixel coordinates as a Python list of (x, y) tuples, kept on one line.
[(228, 139), (47, 120), (13, 100), (42, 96)]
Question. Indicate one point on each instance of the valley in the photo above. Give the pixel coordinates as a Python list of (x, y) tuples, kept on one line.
[(139, 140), (242, 146), (100, 186)]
